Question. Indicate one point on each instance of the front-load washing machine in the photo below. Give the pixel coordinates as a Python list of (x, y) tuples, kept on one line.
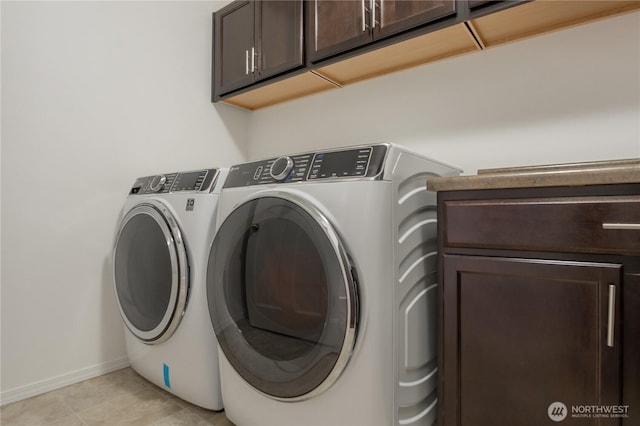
[(321, 287), (159, 268)]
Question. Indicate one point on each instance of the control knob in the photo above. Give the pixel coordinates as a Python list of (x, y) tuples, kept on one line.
[(281, 168), (157, 182)]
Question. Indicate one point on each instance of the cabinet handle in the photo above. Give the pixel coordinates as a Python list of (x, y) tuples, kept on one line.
[(364, 17), (246, 62), (373, 13), (253, 59), (624, 226), (611, 320)]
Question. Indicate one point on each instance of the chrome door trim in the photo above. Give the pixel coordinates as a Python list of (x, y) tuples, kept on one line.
[(350, 284), (179, 271)]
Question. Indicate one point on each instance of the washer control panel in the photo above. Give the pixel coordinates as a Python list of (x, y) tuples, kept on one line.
[(348, 163), (194, 181)]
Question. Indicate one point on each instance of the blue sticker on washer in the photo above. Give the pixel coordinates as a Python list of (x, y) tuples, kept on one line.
[(165, 370)]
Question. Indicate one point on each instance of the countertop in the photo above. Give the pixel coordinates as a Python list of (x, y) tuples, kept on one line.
[(570, 174)]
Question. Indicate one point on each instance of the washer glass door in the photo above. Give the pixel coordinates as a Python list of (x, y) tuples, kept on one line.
[(150, 272), (282, 297)]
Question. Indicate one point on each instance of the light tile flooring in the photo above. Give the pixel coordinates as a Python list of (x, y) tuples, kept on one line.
[(119, 398)]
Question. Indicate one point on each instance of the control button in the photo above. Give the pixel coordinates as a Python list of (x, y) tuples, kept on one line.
[(157, 183), (281, 167), (258, 172)]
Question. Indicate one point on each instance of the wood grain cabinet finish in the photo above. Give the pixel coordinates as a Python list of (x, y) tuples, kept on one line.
[(476, 3), (539, 303), (262, 43), (566, 224), (233, 40), (256, 40), (528, 333), (335, 27)]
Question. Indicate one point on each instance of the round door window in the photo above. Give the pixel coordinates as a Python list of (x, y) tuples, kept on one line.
[(282, 297), (150, 273)]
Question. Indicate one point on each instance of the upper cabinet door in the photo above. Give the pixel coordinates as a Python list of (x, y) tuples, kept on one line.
[(392, 16), (233, 43), (279, 37), (336, 26), (255, 40)]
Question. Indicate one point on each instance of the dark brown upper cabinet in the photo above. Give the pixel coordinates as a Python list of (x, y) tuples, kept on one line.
[(264, 56), (255, 40), (475, 3), (335, 27)]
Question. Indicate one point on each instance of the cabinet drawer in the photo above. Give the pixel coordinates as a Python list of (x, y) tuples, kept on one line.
[(571, 224)]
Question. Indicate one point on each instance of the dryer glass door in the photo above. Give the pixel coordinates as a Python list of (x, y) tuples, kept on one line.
[(150, 272), (282, 297)]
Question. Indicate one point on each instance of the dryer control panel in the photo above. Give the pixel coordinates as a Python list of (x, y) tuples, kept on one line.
[(193, 181), (363, 162)]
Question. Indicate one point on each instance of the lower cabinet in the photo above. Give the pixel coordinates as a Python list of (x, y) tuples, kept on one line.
[(631, 347), (527, 333), (540, 323)]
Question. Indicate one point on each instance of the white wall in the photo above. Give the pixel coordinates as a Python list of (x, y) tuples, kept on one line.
[(94, 94), (572, 95), (97, 93)]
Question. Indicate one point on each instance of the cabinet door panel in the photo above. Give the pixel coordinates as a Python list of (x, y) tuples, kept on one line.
[(524, 334), (336, 26), (233, 39), (631, 345), (279, 36), (393, 16)]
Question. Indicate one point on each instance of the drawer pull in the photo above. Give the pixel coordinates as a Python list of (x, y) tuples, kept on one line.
[(624, 226), (612, 315)]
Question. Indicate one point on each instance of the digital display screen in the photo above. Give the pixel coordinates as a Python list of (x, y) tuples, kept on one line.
[(338, 163), (341, 164), (187, 181)]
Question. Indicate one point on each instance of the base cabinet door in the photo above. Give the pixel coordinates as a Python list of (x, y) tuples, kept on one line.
[(522, 334), (631, 347)]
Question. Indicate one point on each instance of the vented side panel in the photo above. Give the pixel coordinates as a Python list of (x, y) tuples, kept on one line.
[(415, 293)]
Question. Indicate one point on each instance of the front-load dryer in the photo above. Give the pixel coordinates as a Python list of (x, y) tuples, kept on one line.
[(159, 268), (322, 289)]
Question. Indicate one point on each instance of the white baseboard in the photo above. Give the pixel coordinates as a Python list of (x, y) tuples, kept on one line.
[(24, 392)]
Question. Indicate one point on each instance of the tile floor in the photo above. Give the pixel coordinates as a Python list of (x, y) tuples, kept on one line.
[(118, 398)]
